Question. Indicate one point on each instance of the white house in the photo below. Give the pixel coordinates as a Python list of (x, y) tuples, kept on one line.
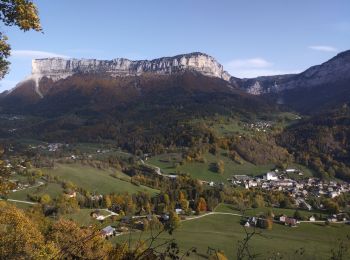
[(334, 194), (108, 231), (271, 176), (283, 218), (100, 217), (178, 211)]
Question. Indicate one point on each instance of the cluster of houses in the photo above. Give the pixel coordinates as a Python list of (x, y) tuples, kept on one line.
[(261, 221), (127, 223), (11, 117), (258, 126), (300, 189), (51, 147)]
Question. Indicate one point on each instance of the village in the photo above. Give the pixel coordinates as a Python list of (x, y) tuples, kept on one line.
[(298, 188), (289, 181)]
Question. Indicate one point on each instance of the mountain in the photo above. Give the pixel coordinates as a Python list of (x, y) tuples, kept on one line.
[(138, 103), (322, 143), (318, 88), (47, 71)]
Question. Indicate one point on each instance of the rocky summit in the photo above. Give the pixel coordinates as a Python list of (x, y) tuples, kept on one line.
[(57, 68)]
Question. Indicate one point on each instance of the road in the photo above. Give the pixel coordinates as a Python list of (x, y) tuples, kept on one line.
[(20, 201), (211, 213)]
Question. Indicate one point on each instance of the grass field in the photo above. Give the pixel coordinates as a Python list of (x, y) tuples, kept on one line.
[(96, 180), (204, 171), (105, 151), (224, 231), (277, 211), (83, 217), (53, 189)]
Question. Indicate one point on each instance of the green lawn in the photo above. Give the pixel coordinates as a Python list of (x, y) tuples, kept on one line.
[(223, 126), (53, 189), (277, 211), (105, 150), (96, 180), (83, 217), (204, 171), (223, 231)]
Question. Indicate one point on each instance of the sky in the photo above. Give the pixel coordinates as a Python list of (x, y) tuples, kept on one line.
[(249, 38)]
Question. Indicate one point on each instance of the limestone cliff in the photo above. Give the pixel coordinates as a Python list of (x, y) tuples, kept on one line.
[(57, 68)]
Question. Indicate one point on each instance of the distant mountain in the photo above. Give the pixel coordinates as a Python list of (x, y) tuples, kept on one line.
[(47, 71), (63, 85), (138, 103), (318, 88)]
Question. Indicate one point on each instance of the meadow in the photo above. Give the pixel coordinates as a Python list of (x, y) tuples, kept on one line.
[(52, 189), (263, 211), (170, 164), (222, 232), (83, 218), (96, 180)]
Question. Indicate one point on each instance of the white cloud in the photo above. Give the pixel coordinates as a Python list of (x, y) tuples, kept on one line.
[(323, 48), (35, 54), (254, 67)]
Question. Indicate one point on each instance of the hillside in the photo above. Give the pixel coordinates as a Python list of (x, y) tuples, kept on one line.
[(322, 143), (320, 87), (139, 112)]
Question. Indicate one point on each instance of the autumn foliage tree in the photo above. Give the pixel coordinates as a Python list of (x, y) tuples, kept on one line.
[(22, 14), (202, 205), (77, 243), (5, 185), (20, 238)]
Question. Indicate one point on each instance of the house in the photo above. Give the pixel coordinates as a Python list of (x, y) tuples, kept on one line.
[(122, 229), (71, 194), (100, 217), (341, 217), (252, 221), (271, 176), (312, 218), (178, 211), (332, 218), (139, 224), (108, 231), (283, 218), (95, 213), (333, 194), (165, 217), (125, 220), (292, 222)]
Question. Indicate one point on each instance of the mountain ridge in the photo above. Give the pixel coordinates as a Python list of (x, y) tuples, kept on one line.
[(320, 86), (60, 68)]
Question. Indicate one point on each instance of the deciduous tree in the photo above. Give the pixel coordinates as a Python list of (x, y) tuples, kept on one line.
[(22, 14)]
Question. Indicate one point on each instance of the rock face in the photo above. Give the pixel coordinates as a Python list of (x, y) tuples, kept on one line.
[(335, 70), (57, 68)]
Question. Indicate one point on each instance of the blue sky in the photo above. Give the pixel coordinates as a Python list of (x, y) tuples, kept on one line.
[(249, 38)]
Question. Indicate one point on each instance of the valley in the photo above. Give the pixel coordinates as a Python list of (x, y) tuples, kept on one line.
[(176, 145)]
